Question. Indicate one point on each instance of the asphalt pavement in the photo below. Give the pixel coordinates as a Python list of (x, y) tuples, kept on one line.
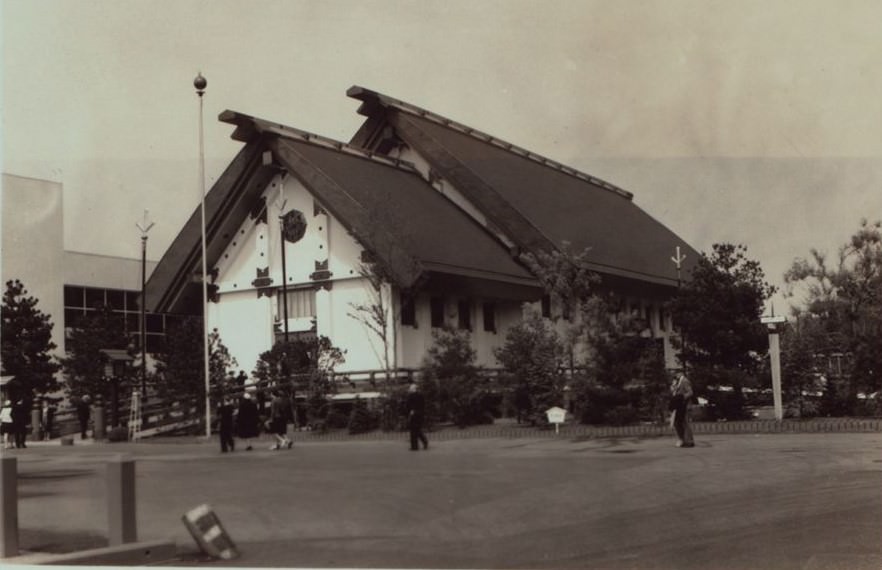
[(735, 501)]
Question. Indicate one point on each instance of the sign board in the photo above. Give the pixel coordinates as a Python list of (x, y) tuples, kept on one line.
[(769, 320), (556, 416)]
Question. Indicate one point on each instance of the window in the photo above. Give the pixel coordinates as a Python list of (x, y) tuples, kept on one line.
[(94, 298), (490, 317), (116, 299), (301, 303), (437, 309), (465, 315), (546, 306), (408, 311), (74, 296)]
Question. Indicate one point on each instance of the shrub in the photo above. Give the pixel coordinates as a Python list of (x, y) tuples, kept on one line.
[(621, 416), (453, 389), (119, 433), (593, 402), (361, 418)]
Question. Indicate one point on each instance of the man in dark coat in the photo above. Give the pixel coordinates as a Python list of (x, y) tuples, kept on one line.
[(84, 411), (20, 412), (247, 420), (225, 413), (416, 415)]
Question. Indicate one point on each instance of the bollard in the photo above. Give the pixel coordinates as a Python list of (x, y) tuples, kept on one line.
[(208, 532), (37, 420), (8, 507), (98, 420), (121, 519)]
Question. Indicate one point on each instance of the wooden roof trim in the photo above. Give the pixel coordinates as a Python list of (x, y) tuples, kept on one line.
[(248, 128), (366, 95)]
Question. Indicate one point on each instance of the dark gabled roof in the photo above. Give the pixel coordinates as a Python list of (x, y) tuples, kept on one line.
[(384, 203), (536, 202)]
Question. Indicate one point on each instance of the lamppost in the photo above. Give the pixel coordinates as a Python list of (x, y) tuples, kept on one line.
[(144, 226), (200, 84)]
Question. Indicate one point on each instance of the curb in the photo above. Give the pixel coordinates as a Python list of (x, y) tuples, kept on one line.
[(132, 554)]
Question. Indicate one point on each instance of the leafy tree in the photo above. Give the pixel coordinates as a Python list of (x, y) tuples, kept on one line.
[(799, 368), (84, 365), (179, 363), (26, 341), (844, 301), (717, 314), (532, 355), (220, 366), (302, 364), (452, 386), (569, 283)]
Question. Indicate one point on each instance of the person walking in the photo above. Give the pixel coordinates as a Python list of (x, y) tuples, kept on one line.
[(681, 395), (280, 411), (247, 420), (6, 426), (416, 415), (48, 418), (225, 413), (20, 422), (84, 412)]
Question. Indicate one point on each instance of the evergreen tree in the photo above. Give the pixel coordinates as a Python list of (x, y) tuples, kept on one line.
[(179, 363), (84, 365), (26, 340), (717, 315)]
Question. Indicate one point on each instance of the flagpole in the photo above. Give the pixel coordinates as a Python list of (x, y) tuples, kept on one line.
[(200, 84)]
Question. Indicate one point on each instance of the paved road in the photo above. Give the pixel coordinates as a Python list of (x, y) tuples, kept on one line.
[(801, 501)]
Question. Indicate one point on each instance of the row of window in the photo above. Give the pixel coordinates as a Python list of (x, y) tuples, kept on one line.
[(437, 316), (79, 302)]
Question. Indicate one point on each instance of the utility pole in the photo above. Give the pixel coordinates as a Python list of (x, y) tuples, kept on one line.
[(144, 226)]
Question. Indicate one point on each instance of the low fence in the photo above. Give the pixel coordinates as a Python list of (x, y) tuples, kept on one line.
[(569, 430)]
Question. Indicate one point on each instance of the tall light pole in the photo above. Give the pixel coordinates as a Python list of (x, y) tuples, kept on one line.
[(200, 84), (144, 226)]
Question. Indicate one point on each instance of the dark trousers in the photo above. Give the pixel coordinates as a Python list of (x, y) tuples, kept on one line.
[(21, 434), (681, 425), (84, 425), (417, 436), (226, 440)]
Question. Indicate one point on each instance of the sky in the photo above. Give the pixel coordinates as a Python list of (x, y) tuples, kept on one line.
[(752, 122)]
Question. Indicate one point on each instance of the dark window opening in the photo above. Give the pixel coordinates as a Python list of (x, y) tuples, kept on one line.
[(546, 306), (94, 298), (116, 299), (465, 315), (408, 311), (437, 309), (74, 296), (490, 317)]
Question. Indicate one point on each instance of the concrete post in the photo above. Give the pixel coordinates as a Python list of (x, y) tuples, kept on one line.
[(775, 361), (98, 431), (121, 519), (8, 507), (37, 420)]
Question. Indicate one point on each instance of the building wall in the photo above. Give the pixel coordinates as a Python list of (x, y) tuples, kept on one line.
[(32, 243), (32, 251)]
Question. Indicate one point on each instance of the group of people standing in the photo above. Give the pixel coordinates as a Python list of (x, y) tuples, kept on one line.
[(244, 421), (14, 417)]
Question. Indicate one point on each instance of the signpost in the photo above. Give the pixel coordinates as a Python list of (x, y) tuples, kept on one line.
[(775, 361), (556, 416)]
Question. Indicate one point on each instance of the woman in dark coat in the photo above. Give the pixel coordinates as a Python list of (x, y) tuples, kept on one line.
[(247, 420), (20, 422)]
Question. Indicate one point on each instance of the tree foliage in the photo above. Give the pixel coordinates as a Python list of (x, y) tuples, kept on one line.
[(26, 341), (180, 371), (84, 365), (451, 384), (717, 314), (533, 356), (842, 300)]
